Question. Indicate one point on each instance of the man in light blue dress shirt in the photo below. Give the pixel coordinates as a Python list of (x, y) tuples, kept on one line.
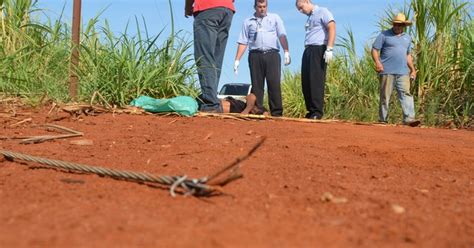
[(319, 41), (261, 34)]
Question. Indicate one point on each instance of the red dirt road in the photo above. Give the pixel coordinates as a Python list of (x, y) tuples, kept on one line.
[(393, 186)]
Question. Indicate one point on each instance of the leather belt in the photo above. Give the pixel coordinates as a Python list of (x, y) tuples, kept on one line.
[(264, 51)]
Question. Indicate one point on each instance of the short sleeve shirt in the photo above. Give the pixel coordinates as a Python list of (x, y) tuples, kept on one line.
[(236, 106), (316, 26), (201, 5), (393, 52), (262, 33)]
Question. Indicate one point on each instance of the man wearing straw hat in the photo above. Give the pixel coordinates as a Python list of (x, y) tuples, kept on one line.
[(394, 63)]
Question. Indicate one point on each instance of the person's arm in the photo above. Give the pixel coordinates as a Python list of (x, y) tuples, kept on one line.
[(328, 54), (240, 51), (281, 34), (411, 66), (376, 58), (331, 33), (242, 42), (188, 8), (284, 43)]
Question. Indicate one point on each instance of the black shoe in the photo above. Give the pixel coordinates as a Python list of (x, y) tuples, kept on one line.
[(413, 123), (315, 117)]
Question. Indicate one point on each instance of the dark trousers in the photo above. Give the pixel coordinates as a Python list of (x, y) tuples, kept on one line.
[(211, 30), (313, 77), (266, 66)]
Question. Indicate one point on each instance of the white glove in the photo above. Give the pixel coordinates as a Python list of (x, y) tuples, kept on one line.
[(287, 58), (236, 67), (328, 55)]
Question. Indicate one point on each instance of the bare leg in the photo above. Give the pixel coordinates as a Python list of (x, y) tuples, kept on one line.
[(225, 106), (251, 99)]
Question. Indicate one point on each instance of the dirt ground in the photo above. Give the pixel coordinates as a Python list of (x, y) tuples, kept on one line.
[(325, 184)]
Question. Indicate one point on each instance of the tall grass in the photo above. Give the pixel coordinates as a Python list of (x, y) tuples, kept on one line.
[(34, 62), (444, 45), (293, 101), (34, 58), (443, 52), (27, 53), (124, 67), (352, 87)]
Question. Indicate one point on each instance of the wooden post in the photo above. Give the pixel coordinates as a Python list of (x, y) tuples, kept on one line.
[(76, 29)]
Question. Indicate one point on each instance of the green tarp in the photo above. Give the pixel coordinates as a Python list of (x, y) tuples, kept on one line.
[(183, 105)]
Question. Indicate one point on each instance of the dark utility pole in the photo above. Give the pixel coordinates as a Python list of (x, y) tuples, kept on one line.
[(76, 29)]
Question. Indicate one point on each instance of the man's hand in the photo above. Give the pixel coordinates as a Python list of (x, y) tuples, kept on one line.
[(287, 58), (378, 66), (236, 67), (412, 67), (328, 56), (188, 12), (188, 8), (412, 75)]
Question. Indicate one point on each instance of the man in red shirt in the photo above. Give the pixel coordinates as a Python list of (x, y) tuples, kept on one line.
[(212, 20)]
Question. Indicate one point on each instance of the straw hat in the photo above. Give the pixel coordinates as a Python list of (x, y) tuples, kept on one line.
[(400, 18)]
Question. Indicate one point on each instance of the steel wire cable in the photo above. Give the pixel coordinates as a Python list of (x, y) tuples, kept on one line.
[(190, 186), (204, 186)]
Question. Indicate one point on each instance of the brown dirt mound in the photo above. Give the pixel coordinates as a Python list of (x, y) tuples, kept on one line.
[(308, 185)]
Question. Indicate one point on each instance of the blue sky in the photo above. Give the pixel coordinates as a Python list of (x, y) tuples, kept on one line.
[(361, 16)]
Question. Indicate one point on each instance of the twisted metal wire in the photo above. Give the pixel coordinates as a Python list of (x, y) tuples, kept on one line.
[(190, 186)]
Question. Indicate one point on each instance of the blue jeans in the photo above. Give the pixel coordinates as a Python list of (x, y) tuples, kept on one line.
[(402, 85), (211, 30)]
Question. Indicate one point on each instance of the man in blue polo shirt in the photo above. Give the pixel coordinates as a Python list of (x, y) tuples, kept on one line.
[(394, 63), (261, 34), (319, 41)]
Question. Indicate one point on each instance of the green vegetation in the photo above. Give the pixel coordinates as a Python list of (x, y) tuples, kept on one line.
[(35, 55), (34, 59), (443, 50)]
